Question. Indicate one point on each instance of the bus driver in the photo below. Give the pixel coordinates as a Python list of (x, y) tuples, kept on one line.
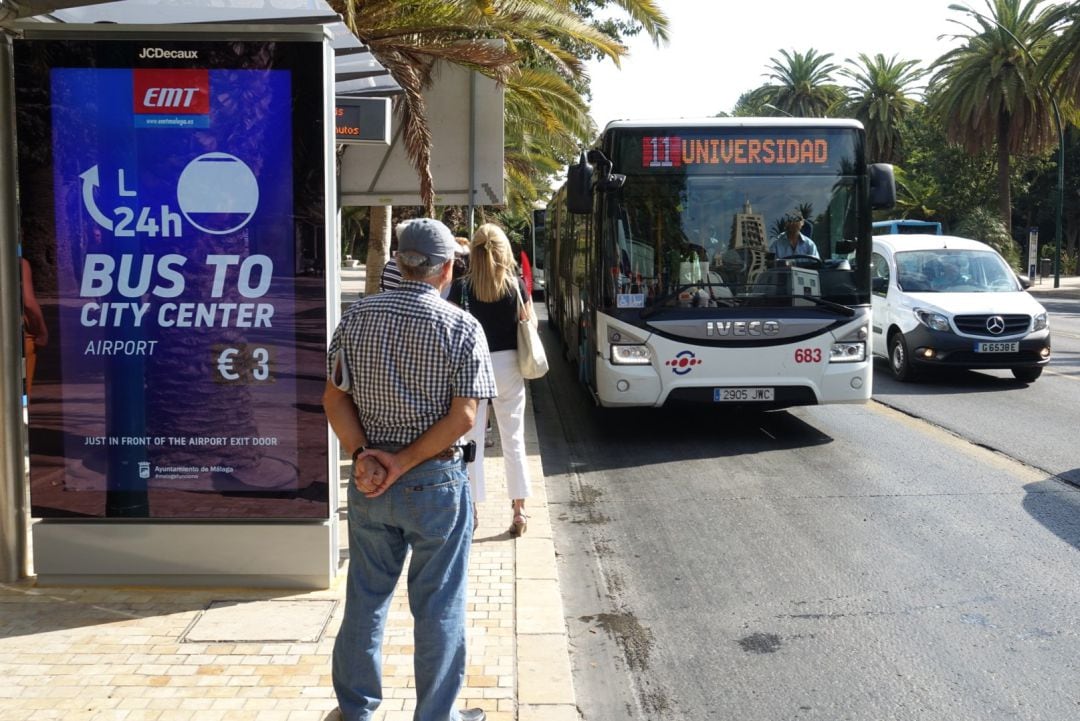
[(793, 242)]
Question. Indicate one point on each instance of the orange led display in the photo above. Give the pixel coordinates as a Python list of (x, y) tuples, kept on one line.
[(673, 151)]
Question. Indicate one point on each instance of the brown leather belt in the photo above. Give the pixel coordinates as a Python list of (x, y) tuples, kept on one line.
[(448, 455)]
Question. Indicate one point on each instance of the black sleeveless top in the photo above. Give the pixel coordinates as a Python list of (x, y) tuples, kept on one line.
[(498, 319)]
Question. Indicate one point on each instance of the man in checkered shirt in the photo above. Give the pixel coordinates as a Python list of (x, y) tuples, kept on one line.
[(405, 371)]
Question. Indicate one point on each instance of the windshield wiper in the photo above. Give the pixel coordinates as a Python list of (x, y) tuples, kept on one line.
[(838, 307)]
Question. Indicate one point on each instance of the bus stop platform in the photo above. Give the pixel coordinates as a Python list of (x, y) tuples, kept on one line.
[(242, 654)]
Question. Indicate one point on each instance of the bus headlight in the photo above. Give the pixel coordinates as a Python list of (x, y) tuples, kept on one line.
[(850, 352), (1040, 321), (631, 355)]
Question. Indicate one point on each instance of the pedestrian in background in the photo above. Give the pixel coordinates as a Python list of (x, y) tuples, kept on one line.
[(494, 293), (526, 270), (390, 277), (461, 264), (400, 409)]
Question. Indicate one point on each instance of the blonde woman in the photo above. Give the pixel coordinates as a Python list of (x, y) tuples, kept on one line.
[(490, 292)]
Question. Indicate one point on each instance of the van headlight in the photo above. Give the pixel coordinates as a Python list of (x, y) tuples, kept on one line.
[(631, 355), (1041, 322), (932, 320)]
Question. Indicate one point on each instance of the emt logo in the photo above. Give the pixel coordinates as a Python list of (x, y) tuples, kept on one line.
[(178, 94)]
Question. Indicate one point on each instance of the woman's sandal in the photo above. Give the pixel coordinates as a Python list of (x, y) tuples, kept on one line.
[(520, 523)]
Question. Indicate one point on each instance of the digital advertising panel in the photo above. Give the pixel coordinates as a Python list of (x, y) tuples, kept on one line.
[(172, 222)]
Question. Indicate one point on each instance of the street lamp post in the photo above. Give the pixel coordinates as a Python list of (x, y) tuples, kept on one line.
[(770, 106), (1060, 134)]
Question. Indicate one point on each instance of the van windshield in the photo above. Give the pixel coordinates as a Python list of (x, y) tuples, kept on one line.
[(954, 271)]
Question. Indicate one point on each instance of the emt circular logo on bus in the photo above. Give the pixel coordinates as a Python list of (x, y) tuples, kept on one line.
[(218, 193), (683, 362)]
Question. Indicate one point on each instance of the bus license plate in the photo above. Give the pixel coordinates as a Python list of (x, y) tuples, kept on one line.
[(743, 395), (1012, 347)]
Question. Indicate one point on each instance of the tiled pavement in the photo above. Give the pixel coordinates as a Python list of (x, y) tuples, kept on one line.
[(135, 654)]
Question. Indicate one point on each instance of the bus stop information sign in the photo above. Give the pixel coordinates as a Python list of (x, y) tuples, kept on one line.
[(172, 218), (362, 120)]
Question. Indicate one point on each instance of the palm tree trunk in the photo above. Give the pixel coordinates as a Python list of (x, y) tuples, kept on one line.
[(1004, 197), (378, 246)]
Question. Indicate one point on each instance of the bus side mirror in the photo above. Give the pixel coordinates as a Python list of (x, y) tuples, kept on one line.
[(579, 181), (882, 186)]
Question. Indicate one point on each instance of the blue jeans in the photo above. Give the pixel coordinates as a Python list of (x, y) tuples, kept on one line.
[(429, 509)]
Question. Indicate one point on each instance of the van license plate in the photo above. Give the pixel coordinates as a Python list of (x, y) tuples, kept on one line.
[(1012, 347), (743, 395)]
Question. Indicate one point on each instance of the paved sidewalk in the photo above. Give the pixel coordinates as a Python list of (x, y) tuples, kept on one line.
[(1069, 287), (237, 654)]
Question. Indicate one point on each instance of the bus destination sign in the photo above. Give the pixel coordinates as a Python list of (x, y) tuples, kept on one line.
[(672, 151)]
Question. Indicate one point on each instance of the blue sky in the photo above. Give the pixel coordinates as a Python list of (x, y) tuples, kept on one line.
[(720, 49)]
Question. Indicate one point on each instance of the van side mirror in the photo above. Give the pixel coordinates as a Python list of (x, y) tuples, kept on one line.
[(1025, 282), (579, 182), (882, 186)]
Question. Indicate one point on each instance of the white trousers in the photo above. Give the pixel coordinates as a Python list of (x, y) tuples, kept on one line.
[(509, 407)]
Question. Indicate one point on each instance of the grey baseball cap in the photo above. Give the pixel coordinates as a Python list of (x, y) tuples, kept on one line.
[(426, 237)]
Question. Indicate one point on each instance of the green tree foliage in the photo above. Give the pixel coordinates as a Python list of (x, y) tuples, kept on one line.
[(983, 224), (880, 97), (990, 93), (1062, 60), (407, 39), (801, 85)]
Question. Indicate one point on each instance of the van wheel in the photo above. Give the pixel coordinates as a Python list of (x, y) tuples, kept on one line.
[(1027, 375), (900, 359)]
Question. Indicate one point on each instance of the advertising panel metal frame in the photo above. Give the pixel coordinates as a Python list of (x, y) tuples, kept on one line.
[(176, 199)]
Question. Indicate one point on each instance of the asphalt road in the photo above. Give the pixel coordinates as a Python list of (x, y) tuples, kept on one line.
[(844, 562)]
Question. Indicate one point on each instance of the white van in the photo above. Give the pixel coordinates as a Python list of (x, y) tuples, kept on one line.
[(944, 302)]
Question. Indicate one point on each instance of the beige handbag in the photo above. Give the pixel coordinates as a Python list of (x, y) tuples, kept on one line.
[(532, 360)]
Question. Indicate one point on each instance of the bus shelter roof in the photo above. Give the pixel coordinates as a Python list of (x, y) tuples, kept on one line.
[(357, 72)]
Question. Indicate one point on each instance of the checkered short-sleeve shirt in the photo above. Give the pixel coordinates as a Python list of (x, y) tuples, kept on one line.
[(406, 353)]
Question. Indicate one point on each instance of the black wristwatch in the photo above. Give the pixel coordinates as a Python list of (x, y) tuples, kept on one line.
[(358, 451)]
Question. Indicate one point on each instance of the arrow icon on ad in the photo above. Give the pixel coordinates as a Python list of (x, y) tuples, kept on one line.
[(91, 179)]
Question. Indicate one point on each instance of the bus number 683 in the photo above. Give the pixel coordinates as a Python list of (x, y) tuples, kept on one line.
[(807, 355)]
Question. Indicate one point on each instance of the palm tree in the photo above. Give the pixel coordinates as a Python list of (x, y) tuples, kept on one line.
[(802, 85), (1063, 57), (879, 97), (916, 195), (546, 122), (990, 89), (407, 38)]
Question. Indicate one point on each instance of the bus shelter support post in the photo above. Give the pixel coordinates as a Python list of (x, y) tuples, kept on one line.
[(14, 561)]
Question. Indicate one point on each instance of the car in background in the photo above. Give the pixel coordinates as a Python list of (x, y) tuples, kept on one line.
[(939, 301)]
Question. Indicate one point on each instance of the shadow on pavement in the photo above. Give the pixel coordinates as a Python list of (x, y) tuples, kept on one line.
[(1056, 506)]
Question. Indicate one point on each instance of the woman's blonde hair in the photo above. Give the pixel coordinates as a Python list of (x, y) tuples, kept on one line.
[(492, 268)]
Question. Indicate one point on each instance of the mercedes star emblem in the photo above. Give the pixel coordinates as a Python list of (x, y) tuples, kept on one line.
[(995, 324)]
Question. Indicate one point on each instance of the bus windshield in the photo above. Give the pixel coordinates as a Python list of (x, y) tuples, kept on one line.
[(721, 240)]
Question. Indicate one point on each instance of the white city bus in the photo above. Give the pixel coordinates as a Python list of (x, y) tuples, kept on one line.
[(663, 281)]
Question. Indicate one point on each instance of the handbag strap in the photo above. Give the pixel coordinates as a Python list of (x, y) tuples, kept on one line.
[(520, 300)]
